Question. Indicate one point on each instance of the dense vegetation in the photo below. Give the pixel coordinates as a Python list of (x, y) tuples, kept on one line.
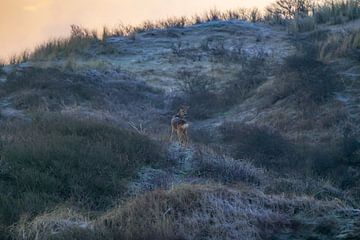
[(57, 159)]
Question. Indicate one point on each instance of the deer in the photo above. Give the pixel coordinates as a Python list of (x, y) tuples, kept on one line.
[(179, 125)]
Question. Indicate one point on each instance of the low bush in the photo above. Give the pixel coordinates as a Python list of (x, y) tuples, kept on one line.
[(264, 145), (207, 97), (57, 158), (306, 80), (52, 88), (227, 170), (200, 94), (270, 149), (252, 73)]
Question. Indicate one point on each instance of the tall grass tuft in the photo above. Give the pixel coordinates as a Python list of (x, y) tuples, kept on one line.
[(340, 45), (336, 12), (79, 41)]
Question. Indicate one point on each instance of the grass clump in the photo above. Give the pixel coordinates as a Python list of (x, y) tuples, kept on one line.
[(80, 40), (304, 15), (341, 45), (264, 145), (337, 12), (57, 158), (227, 170), (49, 224)]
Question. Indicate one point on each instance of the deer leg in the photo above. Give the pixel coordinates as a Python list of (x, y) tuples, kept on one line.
[(186, 138), (172, 132), (179, 137)]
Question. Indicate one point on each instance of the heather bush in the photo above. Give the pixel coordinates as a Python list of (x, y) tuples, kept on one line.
[(56, 158), (306, 80), (199, 93), (227, 170), (260, 143)]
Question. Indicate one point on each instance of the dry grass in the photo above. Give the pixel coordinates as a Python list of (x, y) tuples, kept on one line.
[(309, 13), (224, 169), (302, 24), (189, 212), (206, 212), (340, 45), (336, 12), (50, 223)]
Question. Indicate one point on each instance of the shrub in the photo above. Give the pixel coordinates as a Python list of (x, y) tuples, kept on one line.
[(252, 73), (199, 92), (289, 9), (264, 145), (57, 158), (205, 96), (306, 80), (52, 88), (227, 170)]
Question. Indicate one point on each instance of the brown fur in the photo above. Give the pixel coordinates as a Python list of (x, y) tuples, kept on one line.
[(180, 126)]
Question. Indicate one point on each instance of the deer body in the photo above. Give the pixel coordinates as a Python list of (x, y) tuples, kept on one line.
[(180, 126)]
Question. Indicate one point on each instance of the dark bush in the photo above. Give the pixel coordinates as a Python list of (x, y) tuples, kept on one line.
[(308, 80), (57, 158), (199, 93), (206, 97), (225, 169), (262, 144), (252, 74)]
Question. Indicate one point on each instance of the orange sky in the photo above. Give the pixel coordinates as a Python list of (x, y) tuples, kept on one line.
[(25, 23)]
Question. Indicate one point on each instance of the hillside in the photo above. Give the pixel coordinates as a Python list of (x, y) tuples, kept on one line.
[(274, 147)]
